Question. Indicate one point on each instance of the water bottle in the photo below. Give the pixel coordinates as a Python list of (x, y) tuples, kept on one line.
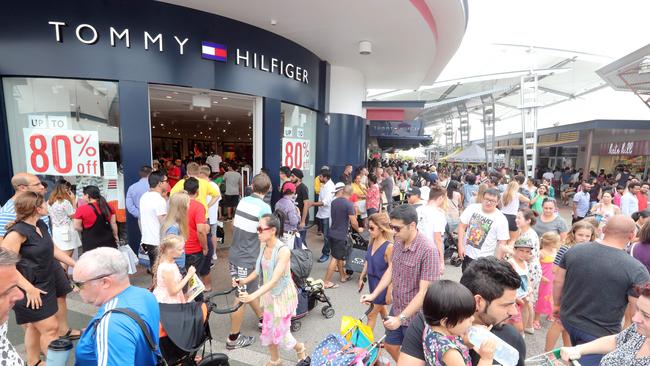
[(504, 353), (58, 352)]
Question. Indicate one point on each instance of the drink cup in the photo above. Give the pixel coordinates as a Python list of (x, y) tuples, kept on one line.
[(58, 352)]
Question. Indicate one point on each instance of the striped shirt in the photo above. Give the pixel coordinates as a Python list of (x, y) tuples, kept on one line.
[(245, 246), (418, 262), (8, 214)]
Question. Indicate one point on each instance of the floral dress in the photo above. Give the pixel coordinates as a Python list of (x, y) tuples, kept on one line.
[(436, 344), (534, 266), (278, 310), (8, 354), (628, 344)]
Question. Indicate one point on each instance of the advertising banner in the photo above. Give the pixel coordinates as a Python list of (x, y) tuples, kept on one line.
[(62, 152)]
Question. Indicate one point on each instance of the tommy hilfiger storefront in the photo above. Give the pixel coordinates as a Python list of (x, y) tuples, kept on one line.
[(88, 93)]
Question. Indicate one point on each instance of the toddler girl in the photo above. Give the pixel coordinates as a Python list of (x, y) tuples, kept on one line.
[(519, 261), (581, 232), (448, 310), (549, 243), (168, 281)]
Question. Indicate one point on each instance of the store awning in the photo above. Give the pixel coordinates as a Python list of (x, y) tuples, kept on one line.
[(470, 154), (403, 143)]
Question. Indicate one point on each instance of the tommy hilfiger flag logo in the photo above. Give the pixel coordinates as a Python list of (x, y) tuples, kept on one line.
[(214, 51)]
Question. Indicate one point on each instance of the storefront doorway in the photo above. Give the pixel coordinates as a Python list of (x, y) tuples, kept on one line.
[(192, 124)]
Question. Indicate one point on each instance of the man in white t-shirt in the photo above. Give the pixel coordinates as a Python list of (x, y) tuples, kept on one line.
[(483, 230), (432, 221), (213, 161), (213, 214), (153, 209)]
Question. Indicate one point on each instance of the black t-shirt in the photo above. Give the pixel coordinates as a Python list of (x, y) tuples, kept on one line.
[(412, 343), (302, 194)]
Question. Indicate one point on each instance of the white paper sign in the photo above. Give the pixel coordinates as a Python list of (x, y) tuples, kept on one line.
[(110, 169), (300, 132), (45, 121), (62, 152), (288, 132), (295, 153)]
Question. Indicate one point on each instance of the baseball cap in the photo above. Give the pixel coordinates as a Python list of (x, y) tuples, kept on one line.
[(524, 244), (297, 172), (413, 191), (288, 186), (339, 186)]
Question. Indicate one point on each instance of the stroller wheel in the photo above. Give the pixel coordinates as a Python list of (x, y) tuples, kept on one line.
[(455, 261), (296, 325), (327, 311), (349, 272)]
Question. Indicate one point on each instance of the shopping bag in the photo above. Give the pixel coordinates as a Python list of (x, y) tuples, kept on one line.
[(356, 258), (143, 258), (130, 257), (347, 325)]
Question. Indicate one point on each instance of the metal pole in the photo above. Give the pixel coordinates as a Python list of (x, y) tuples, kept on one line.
[(590, 141)]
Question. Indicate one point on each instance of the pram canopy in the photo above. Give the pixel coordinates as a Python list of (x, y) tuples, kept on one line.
[(302, 261)]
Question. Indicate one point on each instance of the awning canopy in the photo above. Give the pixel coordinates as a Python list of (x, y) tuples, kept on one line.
[(470, 154), (394, 143)]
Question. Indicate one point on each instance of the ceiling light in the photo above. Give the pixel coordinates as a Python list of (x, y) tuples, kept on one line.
[(201, 132), (215, 102), (162, 124), (365, 47), (644, 65), (224, 98), (205, 116), (209, 128), (249, 114), (71, 104), (194, 135), (228, 123), (153, 126), (274, 22), (224, 131), (176, 93), (168, 96), (216, 119)]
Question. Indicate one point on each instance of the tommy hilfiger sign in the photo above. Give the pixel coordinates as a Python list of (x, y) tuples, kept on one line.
[(88, 35)]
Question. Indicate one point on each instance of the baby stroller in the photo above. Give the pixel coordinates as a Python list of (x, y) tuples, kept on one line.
[(356, 258), (551, 358), (310, 291), (451, 247), (354, 346), (184, 330)]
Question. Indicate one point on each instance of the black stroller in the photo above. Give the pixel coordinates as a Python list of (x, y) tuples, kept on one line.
[(184, 330), (451, 247), (310, 291)]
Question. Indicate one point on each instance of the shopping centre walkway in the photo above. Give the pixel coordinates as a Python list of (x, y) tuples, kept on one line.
[(314, 326)]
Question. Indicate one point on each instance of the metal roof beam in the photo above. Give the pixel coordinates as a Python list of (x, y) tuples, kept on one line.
[(555, 91)]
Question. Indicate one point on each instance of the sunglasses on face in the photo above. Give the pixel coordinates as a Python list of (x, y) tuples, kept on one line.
[(80, 284), (372, 227), (396, 228), (263, 229)]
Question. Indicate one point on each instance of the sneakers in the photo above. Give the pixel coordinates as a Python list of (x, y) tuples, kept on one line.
[(214, 256), (323, 258), (240, 342)]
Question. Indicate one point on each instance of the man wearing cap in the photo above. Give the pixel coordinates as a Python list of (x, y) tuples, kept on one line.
[(302, 201), (343, 215)]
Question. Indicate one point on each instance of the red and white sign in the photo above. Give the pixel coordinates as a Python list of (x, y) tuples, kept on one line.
[(62, 152), (296, 153)]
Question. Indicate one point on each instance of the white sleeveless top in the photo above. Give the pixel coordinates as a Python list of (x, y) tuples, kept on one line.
[(512, 207)]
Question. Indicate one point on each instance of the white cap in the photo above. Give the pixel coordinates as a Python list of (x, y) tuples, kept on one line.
[(339, 186)]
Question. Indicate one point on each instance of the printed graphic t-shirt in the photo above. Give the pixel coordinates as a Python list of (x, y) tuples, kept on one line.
[(483, 231)]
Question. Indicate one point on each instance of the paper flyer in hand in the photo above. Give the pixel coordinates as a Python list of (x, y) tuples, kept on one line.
[(194, 287)]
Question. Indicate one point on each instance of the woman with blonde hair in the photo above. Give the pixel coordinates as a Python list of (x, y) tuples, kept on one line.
[(510, 200), (29, 237), (378, 260), (175, 222), (61, 209), (479, 195)]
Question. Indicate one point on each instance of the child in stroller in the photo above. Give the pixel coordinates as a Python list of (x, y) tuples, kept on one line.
[(184, 330)]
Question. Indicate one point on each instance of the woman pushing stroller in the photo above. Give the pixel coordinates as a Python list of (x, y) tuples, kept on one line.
[(278, 296)]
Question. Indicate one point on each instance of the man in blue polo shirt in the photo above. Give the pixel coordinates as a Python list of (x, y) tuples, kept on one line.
[(102, 280)]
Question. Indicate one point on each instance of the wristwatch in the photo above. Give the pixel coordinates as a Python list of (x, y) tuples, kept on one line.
[(402, 318)]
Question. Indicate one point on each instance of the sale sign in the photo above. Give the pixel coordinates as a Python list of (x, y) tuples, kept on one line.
[(62, 152), (296, 153)]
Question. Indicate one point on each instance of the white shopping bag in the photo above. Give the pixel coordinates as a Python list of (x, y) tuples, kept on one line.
[(130, 257)]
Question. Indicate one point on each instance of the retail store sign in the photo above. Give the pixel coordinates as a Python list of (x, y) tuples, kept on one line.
[(67, 152), (629, 148), (45, 121), (272, 65), (296, 153)]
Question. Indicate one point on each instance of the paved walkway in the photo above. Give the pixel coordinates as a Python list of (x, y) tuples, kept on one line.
[(314, 326)]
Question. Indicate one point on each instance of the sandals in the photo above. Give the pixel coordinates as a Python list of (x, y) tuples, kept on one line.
[(331, 286), (302, 353), (277, 362), (537, 325), (72, 337)]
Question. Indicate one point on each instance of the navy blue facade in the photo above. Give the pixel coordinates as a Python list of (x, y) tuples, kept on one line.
[(272, 143), (340, 140)]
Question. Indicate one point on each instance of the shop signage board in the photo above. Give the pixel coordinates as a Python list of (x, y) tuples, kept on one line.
[(62, 152), (296, 153), (628, 148)]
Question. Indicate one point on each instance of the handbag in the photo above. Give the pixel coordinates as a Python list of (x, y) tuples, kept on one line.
[(130, 257)]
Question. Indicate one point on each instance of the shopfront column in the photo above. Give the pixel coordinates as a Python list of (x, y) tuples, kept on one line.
[(136, 141), (588, 152), (272, 142)]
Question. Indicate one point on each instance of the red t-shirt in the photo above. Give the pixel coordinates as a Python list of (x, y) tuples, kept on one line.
[(195, 216), (175, 171), (643, 201), (87, 216)]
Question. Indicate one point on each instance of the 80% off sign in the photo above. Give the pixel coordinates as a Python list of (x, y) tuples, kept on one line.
[(66, 152)]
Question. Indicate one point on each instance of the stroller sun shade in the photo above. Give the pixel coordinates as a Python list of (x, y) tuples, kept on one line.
[(185, 324)]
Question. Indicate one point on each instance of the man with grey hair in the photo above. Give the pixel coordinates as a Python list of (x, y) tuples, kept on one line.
[(101, 278), (9, 295)]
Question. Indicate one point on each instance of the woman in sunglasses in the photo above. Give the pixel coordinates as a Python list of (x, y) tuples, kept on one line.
[(29, 237), (278, 296), (378, 261)]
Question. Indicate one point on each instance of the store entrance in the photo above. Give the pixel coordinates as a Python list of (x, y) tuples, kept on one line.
[(196, 124)]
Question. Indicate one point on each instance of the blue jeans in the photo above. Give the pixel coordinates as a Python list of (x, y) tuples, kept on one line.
[(581, 337), (303, 236), (326, 230)]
